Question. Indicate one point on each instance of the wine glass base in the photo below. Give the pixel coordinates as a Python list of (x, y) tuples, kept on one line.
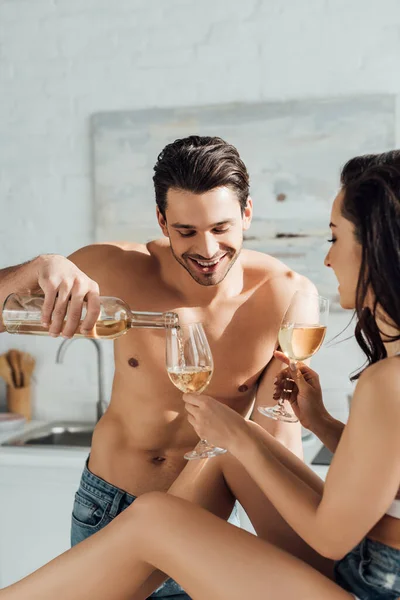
[(204, 451), (278, 414)]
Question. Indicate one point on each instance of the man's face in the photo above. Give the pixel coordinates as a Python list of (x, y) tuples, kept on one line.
[(205, 231)]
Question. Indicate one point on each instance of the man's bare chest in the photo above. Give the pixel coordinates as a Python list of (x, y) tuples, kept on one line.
[(242, 335), (241, 350)]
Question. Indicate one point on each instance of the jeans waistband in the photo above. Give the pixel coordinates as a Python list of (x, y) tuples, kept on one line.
[(98, 486)]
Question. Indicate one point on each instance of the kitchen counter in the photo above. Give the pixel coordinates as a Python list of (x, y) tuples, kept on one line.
[(75, 457), (39, 457)]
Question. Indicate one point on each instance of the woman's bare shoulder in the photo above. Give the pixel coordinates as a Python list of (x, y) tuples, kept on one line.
[(379, 384)]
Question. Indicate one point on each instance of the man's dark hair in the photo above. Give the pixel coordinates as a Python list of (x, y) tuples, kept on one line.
[(371, 202), (199, 164)]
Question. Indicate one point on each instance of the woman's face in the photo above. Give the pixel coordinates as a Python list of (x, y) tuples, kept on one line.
[(344, 256)]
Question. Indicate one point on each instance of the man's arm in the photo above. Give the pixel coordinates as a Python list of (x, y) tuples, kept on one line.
[(63, 285), (23, 277), (289, 434)]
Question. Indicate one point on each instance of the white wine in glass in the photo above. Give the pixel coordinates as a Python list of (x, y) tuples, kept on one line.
[(300, 341), (301, 334), (190, 379), (190, 366)]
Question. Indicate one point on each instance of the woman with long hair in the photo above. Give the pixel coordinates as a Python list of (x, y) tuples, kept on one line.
[(344, 535)]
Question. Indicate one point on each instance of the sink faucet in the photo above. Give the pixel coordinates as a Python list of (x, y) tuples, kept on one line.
[(101, 404)]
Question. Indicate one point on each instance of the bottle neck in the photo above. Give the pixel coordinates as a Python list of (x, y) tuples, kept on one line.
[(153, 320)]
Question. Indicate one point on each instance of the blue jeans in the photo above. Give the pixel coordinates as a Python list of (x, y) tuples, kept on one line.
[(97, 503), (371, 571)]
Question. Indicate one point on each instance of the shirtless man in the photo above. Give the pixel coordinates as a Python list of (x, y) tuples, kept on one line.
[(199, 267)]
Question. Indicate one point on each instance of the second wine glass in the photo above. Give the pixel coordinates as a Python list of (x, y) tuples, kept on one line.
[(190, 367), (301, 334)]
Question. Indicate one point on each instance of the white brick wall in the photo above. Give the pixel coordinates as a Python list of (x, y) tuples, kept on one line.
[(61, 60)]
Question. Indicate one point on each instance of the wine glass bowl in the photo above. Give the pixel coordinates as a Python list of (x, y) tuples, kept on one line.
[(190, 367), (301, 335), (300, 341)]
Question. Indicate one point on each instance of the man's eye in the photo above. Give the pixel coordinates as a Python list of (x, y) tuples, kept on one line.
[(331, 241), (221, 230), (190, 234)]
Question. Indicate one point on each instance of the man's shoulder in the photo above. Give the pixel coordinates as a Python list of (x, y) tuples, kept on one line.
[(98, 257), (272, 274)]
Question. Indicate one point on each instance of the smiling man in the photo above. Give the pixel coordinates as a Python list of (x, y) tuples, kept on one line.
[(199, 268)]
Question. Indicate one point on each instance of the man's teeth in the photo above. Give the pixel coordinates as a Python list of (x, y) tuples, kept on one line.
[(208, 264)]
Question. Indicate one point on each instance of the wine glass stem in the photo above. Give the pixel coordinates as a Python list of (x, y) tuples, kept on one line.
[(288, 385), (202, 442)]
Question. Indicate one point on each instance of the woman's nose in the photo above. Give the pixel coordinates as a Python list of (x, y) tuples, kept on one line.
[(327, 261)]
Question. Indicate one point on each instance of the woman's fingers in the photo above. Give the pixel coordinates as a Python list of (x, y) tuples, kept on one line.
[(193, 399), (282, 357)]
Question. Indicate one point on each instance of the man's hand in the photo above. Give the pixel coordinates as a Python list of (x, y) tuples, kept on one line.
[(61, 282)]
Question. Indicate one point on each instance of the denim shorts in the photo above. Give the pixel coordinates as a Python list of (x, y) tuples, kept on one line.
[(97, 503), (371, 571)]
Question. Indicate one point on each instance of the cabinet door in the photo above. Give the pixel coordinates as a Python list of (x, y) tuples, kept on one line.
[(35, 517)]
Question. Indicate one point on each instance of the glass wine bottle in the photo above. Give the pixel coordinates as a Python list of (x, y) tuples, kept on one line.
[(22, 314)]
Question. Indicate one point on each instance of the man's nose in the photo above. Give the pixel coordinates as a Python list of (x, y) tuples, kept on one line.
[(208, 246)]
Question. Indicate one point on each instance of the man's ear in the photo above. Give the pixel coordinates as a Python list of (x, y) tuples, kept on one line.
[(162, 221), (248, 214)]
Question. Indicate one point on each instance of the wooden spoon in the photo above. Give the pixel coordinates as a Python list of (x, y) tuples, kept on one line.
[(12, 356), (27, 367), (21, 371), (5, 370)]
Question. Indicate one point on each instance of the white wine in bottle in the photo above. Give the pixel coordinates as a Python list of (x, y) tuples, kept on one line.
[(23, 314)]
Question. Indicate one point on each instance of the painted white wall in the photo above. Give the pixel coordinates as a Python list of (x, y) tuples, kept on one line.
[(62, 60)]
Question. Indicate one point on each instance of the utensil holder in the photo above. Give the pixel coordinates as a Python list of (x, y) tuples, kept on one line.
[(19, 401)]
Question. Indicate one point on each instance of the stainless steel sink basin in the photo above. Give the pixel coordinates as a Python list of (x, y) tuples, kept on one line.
[(60, 434)]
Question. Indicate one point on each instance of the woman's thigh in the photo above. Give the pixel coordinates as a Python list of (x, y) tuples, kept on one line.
[(214, 560), (215, 483)]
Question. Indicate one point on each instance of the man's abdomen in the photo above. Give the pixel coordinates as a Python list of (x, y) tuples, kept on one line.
[(122, 458)]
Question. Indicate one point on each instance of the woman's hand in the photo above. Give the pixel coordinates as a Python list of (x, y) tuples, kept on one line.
[(306, 396), (214, 421)]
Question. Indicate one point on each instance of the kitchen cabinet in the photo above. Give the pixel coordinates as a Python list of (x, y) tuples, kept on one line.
[(37, 488), (36, 497)]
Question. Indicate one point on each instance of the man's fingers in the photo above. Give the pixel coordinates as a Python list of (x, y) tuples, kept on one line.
[(60, 308), (50, 293), (73, 315), (92, 309)]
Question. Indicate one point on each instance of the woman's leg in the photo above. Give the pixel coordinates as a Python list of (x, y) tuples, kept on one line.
[(208, 557), (201, 482), (264, 517), (215, 483)]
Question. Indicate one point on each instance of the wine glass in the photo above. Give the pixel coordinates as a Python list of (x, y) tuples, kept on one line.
[(301, 334), (190, 366)]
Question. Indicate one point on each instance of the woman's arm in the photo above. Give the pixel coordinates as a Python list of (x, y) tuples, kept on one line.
[(363, 478), (328, 430), (307, 402)]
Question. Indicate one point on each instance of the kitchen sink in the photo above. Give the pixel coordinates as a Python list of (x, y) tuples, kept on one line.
[(60, 434)]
